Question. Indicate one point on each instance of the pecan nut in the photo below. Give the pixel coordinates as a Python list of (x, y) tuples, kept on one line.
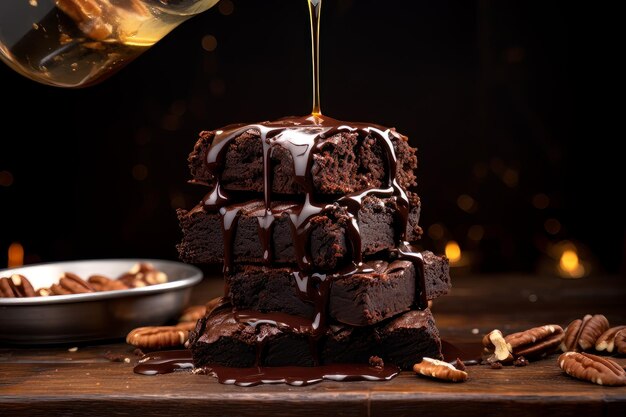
[(70, 283), (193, 313), (606, 341), (536, 342), (496, 348), (582, 334), (157, 337), (102, 283), (439, 370), (596, 369), (16, 286)]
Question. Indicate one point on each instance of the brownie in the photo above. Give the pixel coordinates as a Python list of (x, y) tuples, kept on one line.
[(358, 299), (342, 163), (220, 339), (313, 219), (203, 236)]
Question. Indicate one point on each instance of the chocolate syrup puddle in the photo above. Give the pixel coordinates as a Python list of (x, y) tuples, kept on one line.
[(300, 375), (166, 362)]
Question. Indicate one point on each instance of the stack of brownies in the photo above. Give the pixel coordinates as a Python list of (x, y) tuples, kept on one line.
[(312, 219)]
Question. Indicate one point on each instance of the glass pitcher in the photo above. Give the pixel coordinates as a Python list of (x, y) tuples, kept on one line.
[(76, 43)]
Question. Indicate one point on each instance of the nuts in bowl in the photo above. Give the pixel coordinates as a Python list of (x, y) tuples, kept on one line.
[(91, 300), (140, 275)]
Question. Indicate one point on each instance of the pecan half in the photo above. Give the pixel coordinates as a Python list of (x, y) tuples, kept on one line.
[(606, 341), (439, 370), (71, 283), (596, 369), (157, 337), (102, 283), (16, 286), (536, 342), (496, 347), (582, 334), (193, 313), (89, 16)]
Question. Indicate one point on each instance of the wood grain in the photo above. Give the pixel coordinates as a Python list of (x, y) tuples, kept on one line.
[(55, 381)]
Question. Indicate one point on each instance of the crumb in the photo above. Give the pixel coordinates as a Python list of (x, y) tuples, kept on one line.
[(73, 349), (376, 362), (460, 365), (475, 331), (116, 357), (521, 361), (496, 365), (138, 352)]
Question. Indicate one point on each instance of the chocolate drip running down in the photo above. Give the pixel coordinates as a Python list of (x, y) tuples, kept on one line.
[(302, 137)]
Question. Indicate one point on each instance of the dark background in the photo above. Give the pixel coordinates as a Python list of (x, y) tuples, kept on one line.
[(511, 164)]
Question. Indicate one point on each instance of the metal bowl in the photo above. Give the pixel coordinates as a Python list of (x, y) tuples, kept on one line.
[(93, 316)]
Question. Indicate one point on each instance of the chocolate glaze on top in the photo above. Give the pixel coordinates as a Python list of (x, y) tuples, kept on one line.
[(302, 137)]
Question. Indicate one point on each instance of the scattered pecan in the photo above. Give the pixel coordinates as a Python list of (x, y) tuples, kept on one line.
[(496, 348), (16, 286), (496, 365), (158, 337), (143, 274), (606, 341), (582, 334), (193, 313), (439, 370), (70, 283), (536, 342), (89, 16), (102, 283), (596, 369)]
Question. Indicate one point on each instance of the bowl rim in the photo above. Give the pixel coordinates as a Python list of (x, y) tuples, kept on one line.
[(193, 276)]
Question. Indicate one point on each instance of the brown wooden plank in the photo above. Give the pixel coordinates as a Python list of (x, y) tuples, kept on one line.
[(55, 381)]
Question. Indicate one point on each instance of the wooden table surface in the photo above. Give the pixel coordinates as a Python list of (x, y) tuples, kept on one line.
[(55, 381)]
